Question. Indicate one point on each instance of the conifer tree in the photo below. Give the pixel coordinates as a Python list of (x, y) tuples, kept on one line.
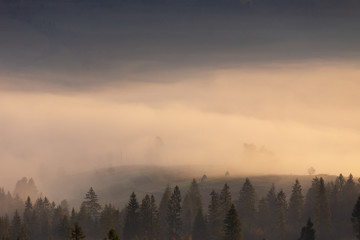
[(17, 228), (199, 231), (5, 228), (271, 211), (64, 228), (92, 204), (192, 204), (355, 219), (333, 191), (149, 218), (174, 222), (281, 213), (163, 213), (57, 219), (225, 200), (77, 233), (340, 180), (155, 222), (322, 210), (263, 215), (83, 218), (246, 202), (308, 232), (73, 217), (296, 204), (214, 217), (310, 200), (30, 219), (272, 200), (109, 219), (131, 227), (112, 235), (232, 227)]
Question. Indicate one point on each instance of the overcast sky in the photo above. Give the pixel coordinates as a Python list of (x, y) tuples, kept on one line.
[(88, 85)]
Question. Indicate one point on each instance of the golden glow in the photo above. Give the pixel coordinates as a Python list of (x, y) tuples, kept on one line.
[(304, 114)]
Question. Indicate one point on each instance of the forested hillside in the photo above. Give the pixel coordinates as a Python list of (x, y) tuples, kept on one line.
[(327, 210)]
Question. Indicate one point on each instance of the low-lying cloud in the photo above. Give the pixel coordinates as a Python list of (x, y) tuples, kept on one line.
[(305, 114)]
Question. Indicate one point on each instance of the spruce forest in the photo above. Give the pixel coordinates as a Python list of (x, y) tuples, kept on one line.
[(328, 210)]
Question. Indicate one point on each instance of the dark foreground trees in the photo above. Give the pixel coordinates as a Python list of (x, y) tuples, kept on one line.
[(77, 233), (232, 227), (355, 218), (308, 232), (271, 218), (174, 222)]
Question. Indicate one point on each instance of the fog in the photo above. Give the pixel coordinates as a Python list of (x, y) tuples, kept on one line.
[(296, 115)]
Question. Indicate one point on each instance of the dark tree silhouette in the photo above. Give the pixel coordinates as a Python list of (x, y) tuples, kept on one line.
[(131, 227), (296, 204), (322, 209), (199, 231), (191, 205), (149, 218), (308, 232), (214, 217), (246, 202), (163, 212), (174, 222), (232, 227), (225, 200), (77, 233), (112, 235), (281, 212), (355, 218), (92, 204)]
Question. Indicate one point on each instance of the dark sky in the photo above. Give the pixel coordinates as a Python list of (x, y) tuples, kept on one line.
[(76, 37)]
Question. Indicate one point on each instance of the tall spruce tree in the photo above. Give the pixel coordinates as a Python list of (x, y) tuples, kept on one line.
[(17, 227), (155, 221), (109, 219), (191, 205), (145, 217), (64, 228), (225, 200), (92, 204), (199, 231), (333, 190), (215, 219), (77, 233), (131, 226), (83, 218), (308, 232), (296, 204), (246, 202), (355, 219), (281, 213), (30, 220), (149, 223), (263, 214), (271, 210), (163, 213), (232, 226), (174, 222), (322, 211), (310, 199), (5, 228)]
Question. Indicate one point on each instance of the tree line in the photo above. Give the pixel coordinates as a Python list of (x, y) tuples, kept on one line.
[(327, 211)]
